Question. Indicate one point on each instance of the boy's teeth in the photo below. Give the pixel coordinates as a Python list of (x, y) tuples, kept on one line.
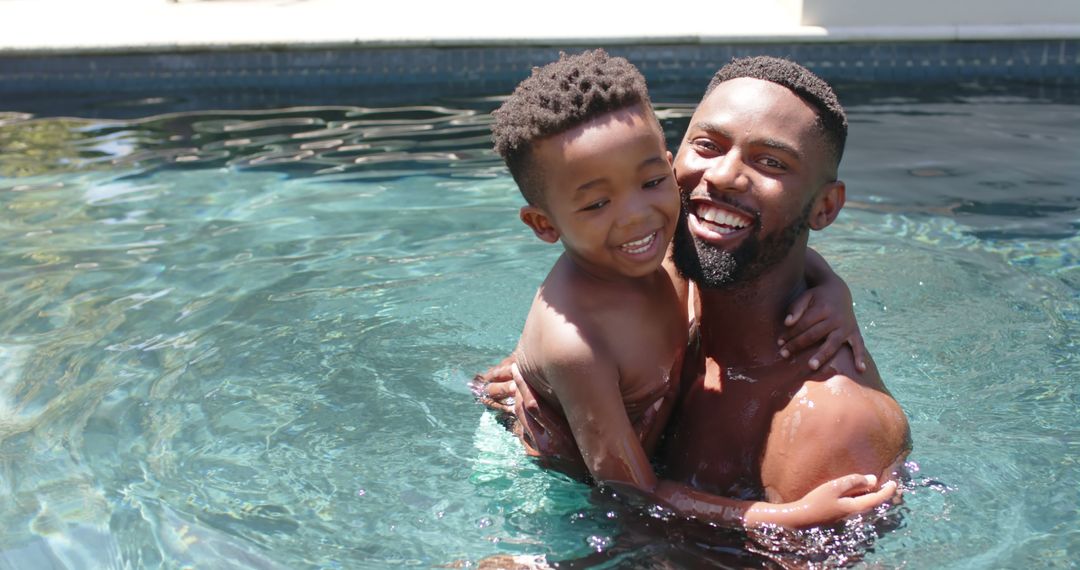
[(726, 221), (639, 246)]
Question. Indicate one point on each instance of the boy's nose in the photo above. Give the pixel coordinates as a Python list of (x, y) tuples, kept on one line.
[(728, 173), (635, 211)]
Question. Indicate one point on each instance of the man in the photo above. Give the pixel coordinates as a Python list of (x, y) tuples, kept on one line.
[(760, 159), (758, 170)]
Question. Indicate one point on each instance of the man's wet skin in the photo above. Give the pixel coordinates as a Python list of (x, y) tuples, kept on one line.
[(755, 177)]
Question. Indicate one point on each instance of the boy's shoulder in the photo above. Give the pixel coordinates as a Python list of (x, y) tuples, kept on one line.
[(562, 329), (568, 324), (575, 319)]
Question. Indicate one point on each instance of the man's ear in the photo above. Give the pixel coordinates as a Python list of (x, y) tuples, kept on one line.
[(540, 223), (828, 205)]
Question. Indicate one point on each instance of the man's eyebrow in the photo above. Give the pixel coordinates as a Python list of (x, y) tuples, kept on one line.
[(711, 128), (781, 146), (715, 129), (657, 159)]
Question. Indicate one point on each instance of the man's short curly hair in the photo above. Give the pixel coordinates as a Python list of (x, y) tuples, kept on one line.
[(800, 81), (557, 97)]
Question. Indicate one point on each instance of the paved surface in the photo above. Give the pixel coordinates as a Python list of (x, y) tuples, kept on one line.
[(168, 25), (151, 24)]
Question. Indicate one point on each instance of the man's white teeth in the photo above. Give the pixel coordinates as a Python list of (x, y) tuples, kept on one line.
[(726, 221), (639, 246)]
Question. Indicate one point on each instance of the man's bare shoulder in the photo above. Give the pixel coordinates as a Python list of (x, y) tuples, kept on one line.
[(838, 421), (853, 407)]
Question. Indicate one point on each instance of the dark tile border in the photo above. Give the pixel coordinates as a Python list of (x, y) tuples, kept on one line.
[(392, 73)]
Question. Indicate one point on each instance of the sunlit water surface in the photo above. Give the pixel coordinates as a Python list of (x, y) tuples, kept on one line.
[(241, 339)]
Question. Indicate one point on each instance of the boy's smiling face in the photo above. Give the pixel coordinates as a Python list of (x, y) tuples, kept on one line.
[(609, 193)]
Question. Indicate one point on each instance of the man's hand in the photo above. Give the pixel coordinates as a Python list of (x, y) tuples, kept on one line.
[(495, 387), (542, 430)]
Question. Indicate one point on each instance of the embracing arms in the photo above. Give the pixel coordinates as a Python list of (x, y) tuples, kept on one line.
[(586, 387), (822, 314)]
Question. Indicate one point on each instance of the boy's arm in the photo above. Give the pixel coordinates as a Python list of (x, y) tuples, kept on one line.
[(585, 383), (822, 314), (826, 503)]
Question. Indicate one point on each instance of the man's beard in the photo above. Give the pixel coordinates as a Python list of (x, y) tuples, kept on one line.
[(714, 268)]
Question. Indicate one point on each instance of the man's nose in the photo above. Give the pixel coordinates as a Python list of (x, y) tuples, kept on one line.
[(728, 173)]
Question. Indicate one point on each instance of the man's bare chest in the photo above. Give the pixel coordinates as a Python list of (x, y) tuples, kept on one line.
[(721, 428)]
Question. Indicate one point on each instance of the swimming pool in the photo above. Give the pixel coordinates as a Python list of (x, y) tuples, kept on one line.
[(241, 339)]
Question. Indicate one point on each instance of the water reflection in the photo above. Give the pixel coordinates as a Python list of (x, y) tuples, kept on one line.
[(1033, 192), (307, 140)]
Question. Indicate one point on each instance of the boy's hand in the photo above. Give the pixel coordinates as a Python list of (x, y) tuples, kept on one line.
[(827, 503), (823, 314)]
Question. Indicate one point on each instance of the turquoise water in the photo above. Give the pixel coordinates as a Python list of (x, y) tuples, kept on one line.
[(241, 339)]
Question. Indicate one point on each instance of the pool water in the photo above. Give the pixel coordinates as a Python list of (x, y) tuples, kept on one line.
[(241, 339)]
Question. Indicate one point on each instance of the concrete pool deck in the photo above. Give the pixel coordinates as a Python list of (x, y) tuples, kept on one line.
[(44, 27)]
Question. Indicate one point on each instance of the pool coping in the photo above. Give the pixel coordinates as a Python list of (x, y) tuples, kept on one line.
[(800, 34)]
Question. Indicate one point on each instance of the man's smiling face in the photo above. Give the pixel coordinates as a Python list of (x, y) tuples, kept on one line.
[(750, 167)]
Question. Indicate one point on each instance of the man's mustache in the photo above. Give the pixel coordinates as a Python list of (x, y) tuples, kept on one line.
[(722, 199)]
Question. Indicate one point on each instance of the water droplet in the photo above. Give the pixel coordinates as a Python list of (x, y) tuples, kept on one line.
[(598, 543)]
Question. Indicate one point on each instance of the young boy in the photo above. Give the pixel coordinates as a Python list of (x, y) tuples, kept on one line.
[(604, 340)]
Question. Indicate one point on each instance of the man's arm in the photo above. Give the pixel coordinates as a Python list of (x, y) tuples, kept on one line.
[(846, 422)]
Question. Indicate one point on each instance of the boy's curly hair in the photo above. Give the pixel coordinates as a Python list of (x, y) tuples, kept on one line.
[(557, 97), (800, 81)]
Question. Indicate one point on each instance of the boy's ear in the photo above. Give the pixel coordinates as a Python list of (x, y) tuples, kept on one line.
[(828, 205), (670, 159), (540, 223)]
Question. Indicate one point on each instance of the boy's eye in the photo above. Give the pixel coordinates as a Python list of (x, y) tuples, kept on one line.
[(655, 182), (595, 205)]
